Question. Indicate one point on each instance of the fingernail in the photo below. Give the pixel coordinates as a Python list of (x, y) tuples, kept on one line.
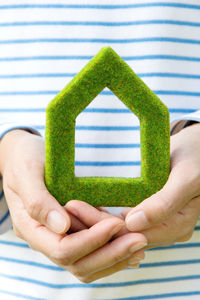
[(56, 221), (116, 229), (136, 221), (135, 260), (137, 247)]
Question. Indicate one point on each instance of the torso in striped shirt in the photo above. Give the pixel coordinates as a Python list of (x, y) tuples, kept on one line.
[(42, 47)]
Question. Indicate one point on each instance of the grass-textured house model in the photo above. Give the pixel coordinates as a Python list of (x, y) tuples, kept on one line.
[(106, 69)]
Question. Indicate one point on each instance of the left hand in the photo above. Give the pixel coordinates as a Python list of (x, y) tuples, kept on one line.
[(171, 214)]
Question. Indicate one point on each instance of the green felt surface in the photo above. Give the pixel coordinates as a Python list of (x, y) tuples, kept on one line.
[(106, 69)]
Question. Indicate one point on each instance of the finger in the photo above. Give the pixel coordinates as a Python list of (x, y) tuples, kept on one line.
[(177, 229), (106, 211), (82, 243), (27, 180), (39, 234), (102, 209), (129, 262), (76, 225), (111, 253), (62, 249), (125, 211), (40, 204), (160, 206), (73, 247), (82, 210)]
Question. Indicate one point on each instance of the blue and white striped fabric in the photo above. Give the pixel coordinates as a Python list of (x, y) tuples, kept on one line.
[(42, 46)]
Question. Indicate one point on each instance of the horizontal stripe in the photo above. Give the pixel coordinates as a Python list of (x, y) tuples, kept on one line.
[(124, 110), (110, 41), (177, 93), (162, 56), (169, 75), (21, 110), (158, 296), (13, 93), (169, 263), (44, 75), (108, 93), (107, 146), (47, 75), (61, 57), (107, 128), (93, 110), (96, 6), (177, 246), (19, 295), (15, 244), (107, 24), (100, 285), (31, 263), (4, 218), (85, 57), (142, 265), (98, 128), (107, 163)]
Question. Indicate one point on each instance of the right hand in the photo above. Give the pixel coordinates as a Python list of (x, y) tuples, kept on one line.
[(91, 251)]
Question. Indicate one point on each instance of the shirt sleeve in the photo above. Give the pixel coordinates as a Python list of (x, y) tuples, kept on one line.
[(5, 219), (6, 127), (195, 116), (181, 122)]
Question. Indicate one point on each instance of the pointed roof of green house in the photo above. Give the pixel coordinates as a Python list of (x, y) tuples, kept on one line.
[(106, 69)]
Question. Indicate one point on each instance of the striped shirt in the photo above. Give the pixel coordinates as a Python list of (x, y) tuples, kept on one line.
[(43, 45)]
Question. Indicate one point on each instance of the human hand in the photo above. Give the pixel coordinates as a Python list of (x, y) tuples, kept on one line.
[(91, 250), (170, 215), (22, 160)]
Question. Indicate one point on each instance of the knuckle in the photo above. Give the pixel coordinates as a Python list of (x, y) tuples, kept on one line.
[(34, 207), (84, 279), (80, 270), (79, 273), (157, 218), (163, 206), (103, 239), (166, 207), (117, 257), (61, 257)]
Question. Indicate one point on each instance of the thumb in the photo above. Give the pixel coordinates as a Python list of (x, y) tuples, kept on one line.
[(42, 206), (160, 206)]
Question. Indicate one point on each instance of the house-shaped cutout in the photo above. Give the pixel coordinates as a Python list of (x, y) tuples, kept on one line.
[(106, 69)]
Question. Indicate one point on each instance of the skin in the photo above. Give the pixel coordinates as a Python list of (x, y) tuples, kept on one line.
[(87, 248), (83, 247), (171, 214)]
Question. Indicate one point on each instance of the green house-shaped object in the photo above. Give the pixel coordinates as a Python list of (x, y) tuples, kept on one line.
[(106, 69)]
